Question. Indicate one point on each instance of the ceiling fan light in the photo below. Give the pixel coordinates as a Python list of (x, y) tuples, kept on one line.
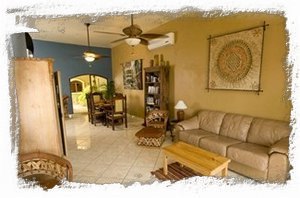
[(89, 58), (133, 41)]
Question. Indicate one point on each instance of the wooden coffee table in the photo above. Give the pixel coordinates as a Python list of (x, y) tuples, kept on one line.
[(200, 160)]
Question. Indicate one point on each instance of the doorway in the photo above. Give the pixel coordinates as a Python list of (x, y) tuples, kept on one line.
[(82, 85)]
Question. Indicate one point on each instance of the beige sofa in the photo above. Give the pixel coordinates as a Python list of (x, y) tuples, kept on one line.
[(257, 147)]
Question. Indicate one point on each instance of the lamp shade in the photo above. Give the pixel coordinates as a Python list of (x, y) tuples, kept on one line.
[(180, 105), (133, 41)]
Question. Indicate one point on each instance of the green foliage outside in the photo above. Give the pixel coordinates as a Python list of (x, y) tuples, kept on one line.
[(108, 91)]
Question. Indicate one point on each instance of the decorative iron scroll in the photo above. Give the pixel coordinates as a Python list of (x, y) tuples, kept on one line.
[(235, 60)]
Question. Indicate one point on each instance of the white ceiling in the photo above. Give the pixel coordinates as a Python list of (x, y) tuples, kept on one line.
[(72, 29)]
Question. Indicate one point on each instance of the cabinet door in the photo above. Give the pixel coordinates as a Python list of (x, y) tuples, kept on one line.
[(39, 125)]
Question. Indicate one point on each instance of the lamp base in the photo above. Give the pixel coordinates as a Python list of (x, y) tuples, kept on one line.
[(180, 115)]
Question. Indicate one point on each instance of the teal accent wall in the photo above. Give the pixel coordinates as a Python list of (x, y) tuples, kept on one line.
[(68, 60)]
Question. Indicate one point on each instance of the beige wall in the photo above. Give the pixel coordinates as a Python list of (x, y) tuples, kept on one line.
[(189, 67)]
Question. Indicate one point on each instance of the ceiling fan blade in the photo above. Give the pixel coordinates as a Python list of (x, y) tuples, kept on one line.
[(118, 40), (77, 57), (96, 56), (102, 32), (143, 41), (90, 54), (104, 56), (153, 36)]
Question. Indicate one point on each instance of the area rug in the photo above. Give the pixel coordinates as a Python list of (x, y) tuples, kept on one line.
[(175, 172)]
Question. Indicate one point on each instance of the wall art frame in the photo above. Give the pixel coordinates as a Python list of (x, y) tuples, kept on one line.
[(235, 60), (133, 74)]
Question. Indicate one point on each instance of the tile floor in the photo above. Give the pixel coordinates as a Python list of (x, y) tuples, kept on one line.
[(100, 155)]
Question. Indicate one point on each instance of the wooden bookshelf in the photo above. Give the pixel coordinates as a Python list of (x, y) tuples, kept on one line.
[(156, 88)]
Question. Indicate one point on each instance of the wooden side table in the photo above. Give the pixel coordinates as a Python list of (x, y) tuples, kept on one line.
[(172, 124)]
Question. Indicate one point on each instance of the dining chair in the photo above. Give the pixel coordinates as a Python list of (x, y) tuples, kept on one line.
[(118, 111), (97, 111), (88, 103)]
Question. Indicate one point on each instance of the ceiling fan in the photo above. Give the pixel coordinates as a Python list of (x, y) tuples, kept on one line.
[(134, 35), (89, 55)]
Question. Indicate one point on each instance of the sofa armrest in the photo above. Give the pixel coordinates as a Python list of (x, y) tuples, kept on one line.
[(282, 146), (192, 123)]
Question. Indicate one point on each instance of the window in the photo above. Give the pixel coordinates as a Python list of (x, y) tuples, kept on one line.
[(76, 86)]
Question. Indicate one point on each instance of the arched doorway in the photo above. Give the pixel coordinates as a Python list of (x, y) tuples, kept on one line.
[(81, 85)]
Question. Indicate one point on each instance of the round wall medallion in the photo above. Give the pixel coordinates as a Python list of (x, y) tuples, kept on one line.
[(234, 61)]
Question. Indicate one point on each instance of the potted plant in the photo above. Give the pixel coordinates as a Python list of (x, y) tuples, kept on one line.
[(108, 90)]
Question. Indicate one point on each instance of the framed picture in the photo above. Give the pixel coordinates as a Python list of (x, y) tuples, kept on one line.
[(133, 74), (235, 60)]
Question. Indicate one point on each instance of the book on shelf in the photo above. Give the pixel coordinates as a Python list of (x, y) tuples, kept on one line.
[(153, 89)]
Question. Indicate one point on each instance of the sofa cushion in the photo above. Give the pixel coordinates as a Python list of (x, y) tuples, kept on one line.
[(217, 144), (252, 155), (193, 136), (266, 132), (210, 120), (236, 126)]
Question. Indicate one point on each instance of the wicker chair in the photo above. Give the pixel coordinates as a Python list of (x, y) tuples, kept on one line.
[(46, 169), (157, 119), (155, 131)]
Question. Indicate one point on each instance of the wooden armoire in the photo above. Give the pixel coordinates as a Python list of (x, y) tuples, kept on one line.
[(40, 107)]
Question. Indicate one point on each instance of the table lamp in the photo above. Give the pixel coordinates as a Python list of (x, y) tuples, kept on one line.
[(180, 106)]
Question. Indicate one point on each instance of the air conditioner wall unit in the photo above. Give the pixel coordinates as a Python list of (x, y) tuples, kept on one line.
[(162, 42)]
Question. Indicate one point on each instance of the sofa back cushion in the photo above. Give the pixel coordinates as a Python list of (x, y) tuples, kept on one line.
[(266, 132), (210, 120), (236, 126)]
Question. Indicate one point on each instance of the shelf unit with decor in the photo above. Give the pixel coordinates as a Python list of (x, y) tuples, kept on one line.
[(156, 88)]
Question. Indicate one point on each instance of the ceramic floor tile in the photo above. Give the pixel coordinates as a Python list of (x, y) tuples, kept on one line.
[(85, 179), (138, 173), (105, 158), (130, 153), (78, 166), (124, 160), (117, 171), (109, 180), (153, 153), (149, 162), (94, 169)]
